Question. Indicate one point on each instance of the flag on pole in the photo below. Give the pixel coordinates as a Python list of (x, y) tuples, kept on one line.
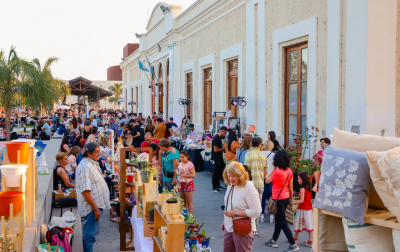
[(143, 68), (151, 68)]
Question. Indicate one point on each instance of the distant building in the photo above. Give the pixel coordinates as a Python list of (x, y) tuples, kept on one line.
[(299, 64)]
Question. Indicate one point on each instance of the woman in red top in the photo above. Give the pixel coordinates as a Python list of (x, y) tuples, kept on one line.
[(304, 215), (282, 192)]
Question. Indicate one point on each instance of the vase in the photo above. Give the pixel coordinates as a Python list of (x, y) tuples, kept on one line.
[(7, 198), (151, 215), (143, 175), (30, 141), (12, 174), (205, 242), (192, 242), (12, 151), (199, 237)]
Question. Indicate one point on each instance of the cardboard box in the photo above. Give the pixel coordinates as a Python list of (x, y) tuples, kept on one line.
[(58, 194)]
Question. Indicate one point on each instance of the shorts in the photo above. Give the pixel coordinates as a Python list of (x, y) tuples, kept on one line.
[(186, 187)]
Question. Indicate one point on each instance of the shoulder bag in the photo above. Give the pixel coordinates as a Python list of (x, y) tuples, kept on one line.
[(272, 204), (241, 226)]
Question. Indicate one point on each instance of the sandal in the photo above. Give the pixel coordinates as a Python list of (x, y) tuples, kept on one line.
[(296, 241), (308, 243)]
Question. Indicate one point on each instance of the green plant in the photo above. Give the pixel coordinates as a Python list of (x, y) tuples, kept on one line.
[(172, 200), (151, 172), (117, 90), (194, 248), (203, 233), (151, 208), (143, 165), (5, 246), (206, 250), (208, 238), (192, 236)]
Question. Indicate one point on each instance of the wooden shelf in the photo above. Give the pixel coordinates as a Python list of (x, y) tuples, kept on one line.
[(118, 201), (176, 233), (117, 220), (157, 244), (147, 220), (131, 184), (379, 217)]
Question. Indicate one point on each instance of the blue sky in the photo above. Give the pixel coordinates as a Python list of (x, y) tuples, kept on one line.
[(86, 35)]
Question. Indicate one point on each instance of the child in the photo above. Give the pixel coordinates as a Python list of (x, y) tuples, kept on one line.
[(304, 216), (186, 174)]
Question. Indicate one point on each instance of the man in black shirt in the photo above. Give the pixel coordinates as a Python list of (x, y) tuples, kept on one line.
[(171, 122), (216, 154)]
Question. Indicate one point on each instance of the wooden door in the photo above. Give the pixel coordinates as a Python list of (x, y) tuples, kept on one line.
[(296, 93), (137, 99), (166, 111), (232, 85), (207, 105), (189, 94), (153, 93), (207, 98), (161, 98)]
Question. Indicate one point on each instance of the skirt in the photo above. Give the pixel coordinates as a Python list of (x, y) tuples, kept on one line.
[(304, 221)]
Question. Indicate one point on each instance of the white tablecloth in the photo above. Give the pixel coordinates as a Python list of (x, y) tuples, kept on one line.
[(141, 243)]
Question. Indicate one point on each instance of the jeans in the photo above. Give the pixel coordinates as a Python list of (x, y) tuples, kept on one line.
[(90, 230), (266, 195), (217, 175), (281, 223), (168, 185)]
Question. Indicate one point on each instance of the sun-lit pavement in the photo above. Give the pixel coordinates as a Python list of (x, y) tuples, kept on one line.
[(207, 208)]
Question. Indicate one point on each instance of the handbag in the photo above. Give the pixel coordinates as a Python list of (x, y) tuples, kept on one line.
[(241, 226), (272, 204)]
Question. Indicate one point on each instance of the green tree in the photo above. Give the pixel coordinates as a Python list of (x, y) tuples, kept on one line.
[(15, 73), (117, 90)]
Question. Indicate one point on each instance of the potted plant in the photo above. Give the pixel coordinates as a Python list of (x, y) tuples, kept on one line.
[(148, 174), (205, 242), (7, 198), (142, 165), (151, 213), (12, 174), (192, 240), (14, 147), (194, 248), (201, 235), (172, 200), (194, 226)]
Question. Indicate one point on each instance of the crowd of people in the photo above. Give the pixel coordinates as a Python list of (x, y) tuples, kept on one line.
[(257, 172)]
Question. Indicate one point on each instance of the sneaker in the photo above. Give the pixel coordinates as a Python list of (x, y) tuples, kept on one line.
[(262, 219), (292, 248), (255, 233), (272, 243), (220, 189), (215, 190)]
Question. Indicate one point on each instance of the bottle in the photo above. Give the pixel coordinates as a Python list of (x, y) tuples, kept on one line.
[(59, 185)]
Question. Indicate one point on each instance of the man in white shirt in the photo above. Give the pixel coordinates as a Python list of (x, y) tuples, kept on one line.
[(92, 194)]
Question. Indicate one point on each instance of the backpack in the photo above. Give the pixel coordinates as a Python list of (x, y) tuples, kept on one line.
[(57, 236)]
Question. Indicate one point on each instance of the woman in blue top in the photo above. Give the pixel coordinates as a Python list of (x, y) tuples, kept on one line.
[(243, 149), (170, 163)]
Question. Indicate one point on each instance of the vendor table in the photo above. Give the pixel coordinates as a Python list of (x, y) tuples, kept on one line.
[(141, 243), (208, 164), (197, 160)]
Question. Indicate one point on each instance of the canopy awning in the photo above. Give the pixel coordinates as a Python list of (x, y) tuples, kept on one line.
[(83, 87)]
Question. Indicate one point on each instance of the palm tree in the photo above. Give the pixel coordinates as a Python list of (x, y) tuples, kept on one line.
[(63, 89), (117, 90), (14, 71)]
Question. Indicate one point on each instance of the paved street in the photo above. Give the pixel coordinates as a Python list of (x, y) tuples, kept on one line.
[(207, 208)]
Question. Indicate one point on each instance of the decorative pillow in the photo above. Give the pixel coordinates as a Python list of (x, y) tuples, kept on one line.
[(344, 183), (363, 143), (385, 175), (367, 237)]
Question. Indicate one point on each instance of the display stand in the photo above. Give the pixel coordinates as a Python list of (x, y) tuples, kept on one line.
[(7, 233), (30, 185), (123, 186), (175, 240), (375, 216)]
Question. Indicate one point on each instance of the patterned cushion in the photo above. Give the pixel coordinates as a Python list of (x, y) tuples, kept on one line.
[(344, 183)]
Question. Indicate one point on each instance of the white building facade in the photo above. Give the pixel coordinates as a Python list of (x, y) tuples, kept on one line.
[(298, 63)]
